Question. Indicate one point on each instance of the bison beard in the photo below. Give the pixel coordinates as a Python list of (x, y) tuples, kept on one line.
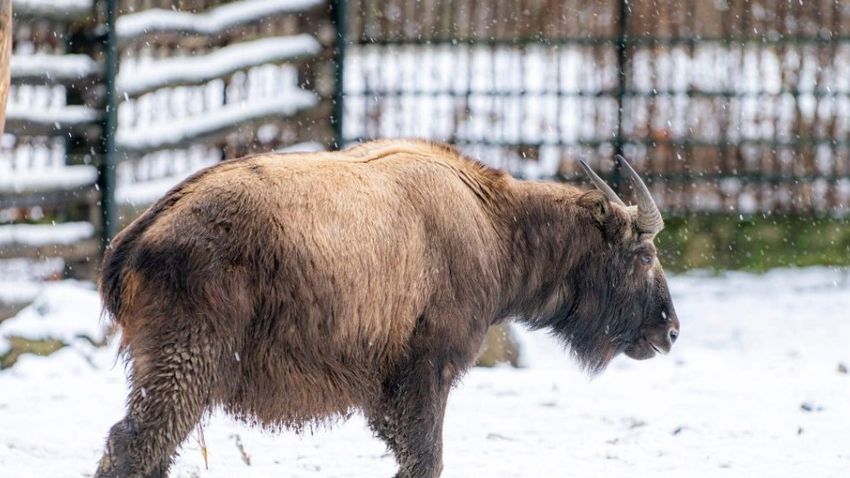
[(293, 289)]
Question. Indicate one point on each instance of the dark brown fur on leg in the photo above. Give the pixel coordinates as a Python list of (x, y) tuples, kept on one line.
[(409, 414), (413, 409), (170, 392), (116, 461), (409, 420)]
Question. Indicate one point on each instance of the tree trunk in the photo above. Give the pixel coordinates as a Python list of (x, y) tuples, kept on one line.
[(5, 56)]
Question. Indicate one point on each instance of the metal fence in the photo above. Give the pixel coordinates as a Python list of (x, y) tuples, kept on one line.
[(725, 105)]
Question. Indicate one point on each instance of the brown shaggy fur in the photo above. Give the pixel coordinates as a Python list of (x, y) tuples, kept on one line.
[(292, 289)]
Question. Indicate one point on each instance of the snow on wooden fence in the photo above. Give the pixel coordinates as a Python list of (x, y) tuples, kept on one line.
[(204, 82), (217, 82), (47, 173)]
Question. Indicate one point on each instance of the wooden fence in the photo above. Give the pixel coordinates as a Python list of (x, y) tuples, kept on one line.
[(48, 156), (198, 81)]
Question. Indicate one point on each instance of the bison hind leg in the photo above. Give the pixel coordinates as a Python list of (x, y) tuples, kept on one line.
[(118, 460), (170, 391)]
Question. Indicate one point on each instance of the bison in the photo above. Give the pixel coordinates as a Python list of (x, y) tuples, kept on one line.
[(291, 289)]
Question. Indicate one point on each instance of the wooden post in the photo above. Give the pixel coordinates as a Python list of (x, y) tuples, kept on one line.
[(5, 56)]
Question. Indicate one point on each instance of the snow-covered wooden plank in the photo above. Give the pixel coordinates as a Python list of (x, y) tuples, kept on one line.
[(70, 240), (42, 68), (145, 193), (37, 235), (213, 21), (27, 121), (51, 198), (135, 80), (48, 186), (74, 252), (139, 195), (63, 10), (47, 179), (213, 124)]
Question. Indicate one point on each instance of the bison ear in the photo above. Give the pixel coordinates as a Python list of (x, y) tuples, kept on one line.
[(598, 205)]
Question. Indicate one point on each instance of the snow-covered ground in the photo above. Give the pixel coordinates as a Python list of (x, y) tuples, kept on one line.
[(752, 388)]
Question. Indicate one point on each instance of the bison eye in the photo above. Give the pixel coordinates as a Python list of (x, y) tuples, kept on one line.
[(646, 259)]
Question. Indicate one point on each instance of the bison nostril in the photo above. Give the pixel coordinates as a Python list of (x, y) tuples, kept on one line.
[(674, 334)]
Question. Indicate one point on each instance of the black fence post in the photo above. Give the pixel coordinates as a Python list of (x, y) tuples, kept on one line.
[(338, 17), (622, 46), (106, 169)]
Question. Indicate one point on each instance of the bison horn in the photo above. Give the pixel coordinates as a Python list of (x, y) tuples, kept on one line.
[(649, 217), (600, 184)]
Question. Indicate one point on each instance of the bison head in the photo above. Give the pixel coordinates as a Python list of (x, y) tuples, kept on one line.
[(616, 299)]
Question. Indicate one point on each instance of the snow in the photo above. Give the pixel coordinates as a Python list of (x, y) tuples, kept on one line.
[(59, 118), (213, 21), (21, 280), (53, 67), (45, 234), (65, 8), (12, 270), (178, 131), (146, 193), (150, 74), (142, 193), (18, 292), (55, 314), (750, 389), (41, 179)]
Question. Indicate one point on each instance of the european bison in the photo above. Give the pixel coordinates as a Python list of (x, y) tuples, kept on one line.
[(291, 289)]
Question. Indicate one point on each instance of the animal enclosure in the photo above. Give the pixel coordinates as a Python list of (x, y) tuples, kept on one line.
[(738, 106), (727, 106)]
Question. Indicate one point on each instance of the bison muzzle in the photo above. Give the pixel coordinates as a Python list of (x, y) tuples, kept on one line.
[(292, 289)]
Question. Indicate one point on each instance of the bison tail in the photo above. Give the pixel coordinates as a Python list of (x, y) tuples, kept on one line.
[(113, 282), (113, 272), (114, 285)]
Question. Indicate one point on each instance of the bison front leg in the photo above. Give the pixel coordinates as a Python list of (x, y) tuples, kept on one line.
[(409, 414), (409, 418)]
